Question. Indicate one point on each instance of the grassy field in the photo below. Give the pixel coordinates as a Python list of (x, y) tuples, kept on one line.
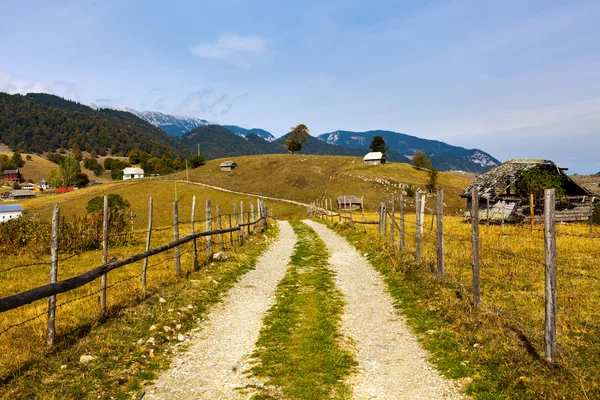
[(499, 348), (306, 178), (35, 169)]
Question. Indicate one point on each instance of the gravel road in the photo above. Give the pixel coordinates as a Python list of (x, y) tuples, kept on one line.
[(212, 367), (392, 364)]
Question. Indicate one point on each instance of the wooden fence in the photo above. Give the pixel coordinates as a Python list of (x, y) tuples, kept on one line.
[(392, 221), (240, 224)]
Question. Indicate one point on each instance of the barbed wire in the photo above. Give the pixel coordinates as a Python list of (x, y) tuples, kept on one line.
[(23, 322)]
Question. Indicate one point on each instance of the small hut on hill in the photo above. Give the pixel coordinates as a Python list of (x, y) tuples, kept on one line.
[(228, 166), (349, 203), (502, 187), (375, 158)]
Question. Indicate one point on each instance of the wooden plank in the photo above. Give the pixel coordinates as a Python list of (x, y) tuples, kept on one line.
[(148, 237), (51, 331), (177, 252), (103, 279), (242, 233), (418, 225), (550, 279), (393, 223), (402, 232), (194, 244), (440, 233), (220, 227), (475, 245), (252, 217), (209, 241)]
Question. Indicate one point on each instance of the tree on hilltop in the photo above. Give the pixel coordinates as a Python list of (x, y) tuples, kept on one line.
[(420, 160), (378, 145), (298, 135)]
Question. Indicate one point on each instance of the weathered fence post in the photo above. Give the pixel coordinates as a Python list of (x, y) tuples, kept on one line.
[(440, 233), (385, 217), (176, 236), (487, 214), (194, 244), (531, 211), (550, 253), (237, 224), (393, 221), (148, 237), (380, 222), (592, 214), (104, 255), (220, 227), (252, 217), (209, 240), (362, 207), (51, 332), (418, 226), (230, 232), (475, 244), (402, 236), (242, 232)]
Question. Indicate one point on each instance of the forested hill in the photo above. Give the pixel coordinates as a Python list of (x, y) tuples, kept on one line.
[(41, 122)]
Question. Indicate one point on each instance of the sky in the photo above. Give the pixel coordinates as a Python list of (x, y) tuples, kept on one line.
[(515, 78)]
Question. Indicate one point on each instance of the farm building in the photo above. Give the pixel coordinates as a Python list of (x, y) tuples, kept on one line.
[(12, 175), (21, 194), (10, 211), (228, 166), (503, 187), (349, 203), (132, 173), (375, 158)]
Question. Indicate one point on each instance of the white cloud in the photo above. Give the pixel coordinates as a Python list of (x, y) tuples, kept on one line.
[(231, 45), (207, 102), (13, 85)]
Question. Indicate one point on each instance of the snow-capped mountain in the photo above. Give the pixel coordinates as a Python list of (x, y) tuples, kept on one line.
[(174, 125), (243, 132)]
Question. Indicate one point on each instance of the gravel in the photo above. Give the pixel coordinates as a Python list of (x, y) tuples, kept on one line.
[(391, 363), (214, 364)]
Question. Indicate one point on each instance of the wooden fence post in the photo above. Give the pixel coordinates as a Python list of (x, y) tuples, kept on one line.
[(592, 214), (237, 224), (104, 255), (242, 232), (194, 243), (550, 255), (385, 217), (148, 237), (475, 245), (440, 233), (379, 223), (220, 227), (51, 332), (230, 233), (487, 214), (393, 221), (209, 239), (176, 237), (252, 216), (402, 233), (362, 207), (531, 211), (418, 225)]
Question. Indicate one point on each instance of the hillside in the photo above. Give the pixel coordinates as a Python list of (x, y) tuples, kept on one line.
[(307, 177), (46, 123), (445, 157), (171, 124), (216, 142), (254, 131), (35, 169)]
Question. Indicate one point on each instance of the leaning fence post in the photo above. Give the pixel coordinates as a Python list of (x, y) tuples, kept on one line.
[(550, 253), (252, 217), (402, 238), (194, 244), (176, 236), (242, 218), (440, 233), (475, 244), (385, 217), (104, 255), (50, 334), (393, 221), (220, 227), (418, 224), (230, 232), (148, 237), (209, 241)]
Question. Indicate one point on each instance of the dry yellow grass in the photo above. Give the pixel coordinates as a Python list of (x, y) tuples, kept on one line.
[(35, 169)]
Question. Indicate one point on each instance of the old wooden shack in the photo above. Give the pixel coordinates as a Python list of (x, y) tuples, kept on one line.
[(228, 166), (375, 158), (349, 202), (500, 186)]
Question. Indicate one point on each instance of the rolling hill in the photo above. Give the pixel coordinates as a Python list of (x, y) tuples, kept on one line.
[(443, 156), (254, 131), (173, 125)]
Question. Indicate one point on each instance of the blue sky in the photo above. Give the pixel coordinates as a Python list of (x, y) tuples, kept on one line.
[(514, 78)]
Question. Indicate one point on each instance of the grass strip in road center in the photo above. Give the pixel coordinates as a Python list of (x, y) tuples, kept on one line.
[(300, 353)]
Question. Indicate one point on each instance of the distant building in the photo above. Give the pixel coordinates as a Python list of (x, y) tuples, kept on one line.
[(43, 185), (375, 158), (62, 189), (349, 202), (132, 173), (228, 166), (12, 175), (21, 194), (10, 211)]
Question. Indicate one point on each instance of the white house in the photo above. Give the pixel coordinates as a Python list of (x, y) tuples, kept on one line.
[(10, 211), (133, 173), (375, 158)]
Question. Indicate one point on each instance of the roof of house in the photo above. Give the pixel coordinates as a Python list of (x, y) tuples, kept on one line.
[(11, 171), (228, 164), (22, 193), (349, 199), (495, 181), (374, 155), (133, 171), (10, 207)]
